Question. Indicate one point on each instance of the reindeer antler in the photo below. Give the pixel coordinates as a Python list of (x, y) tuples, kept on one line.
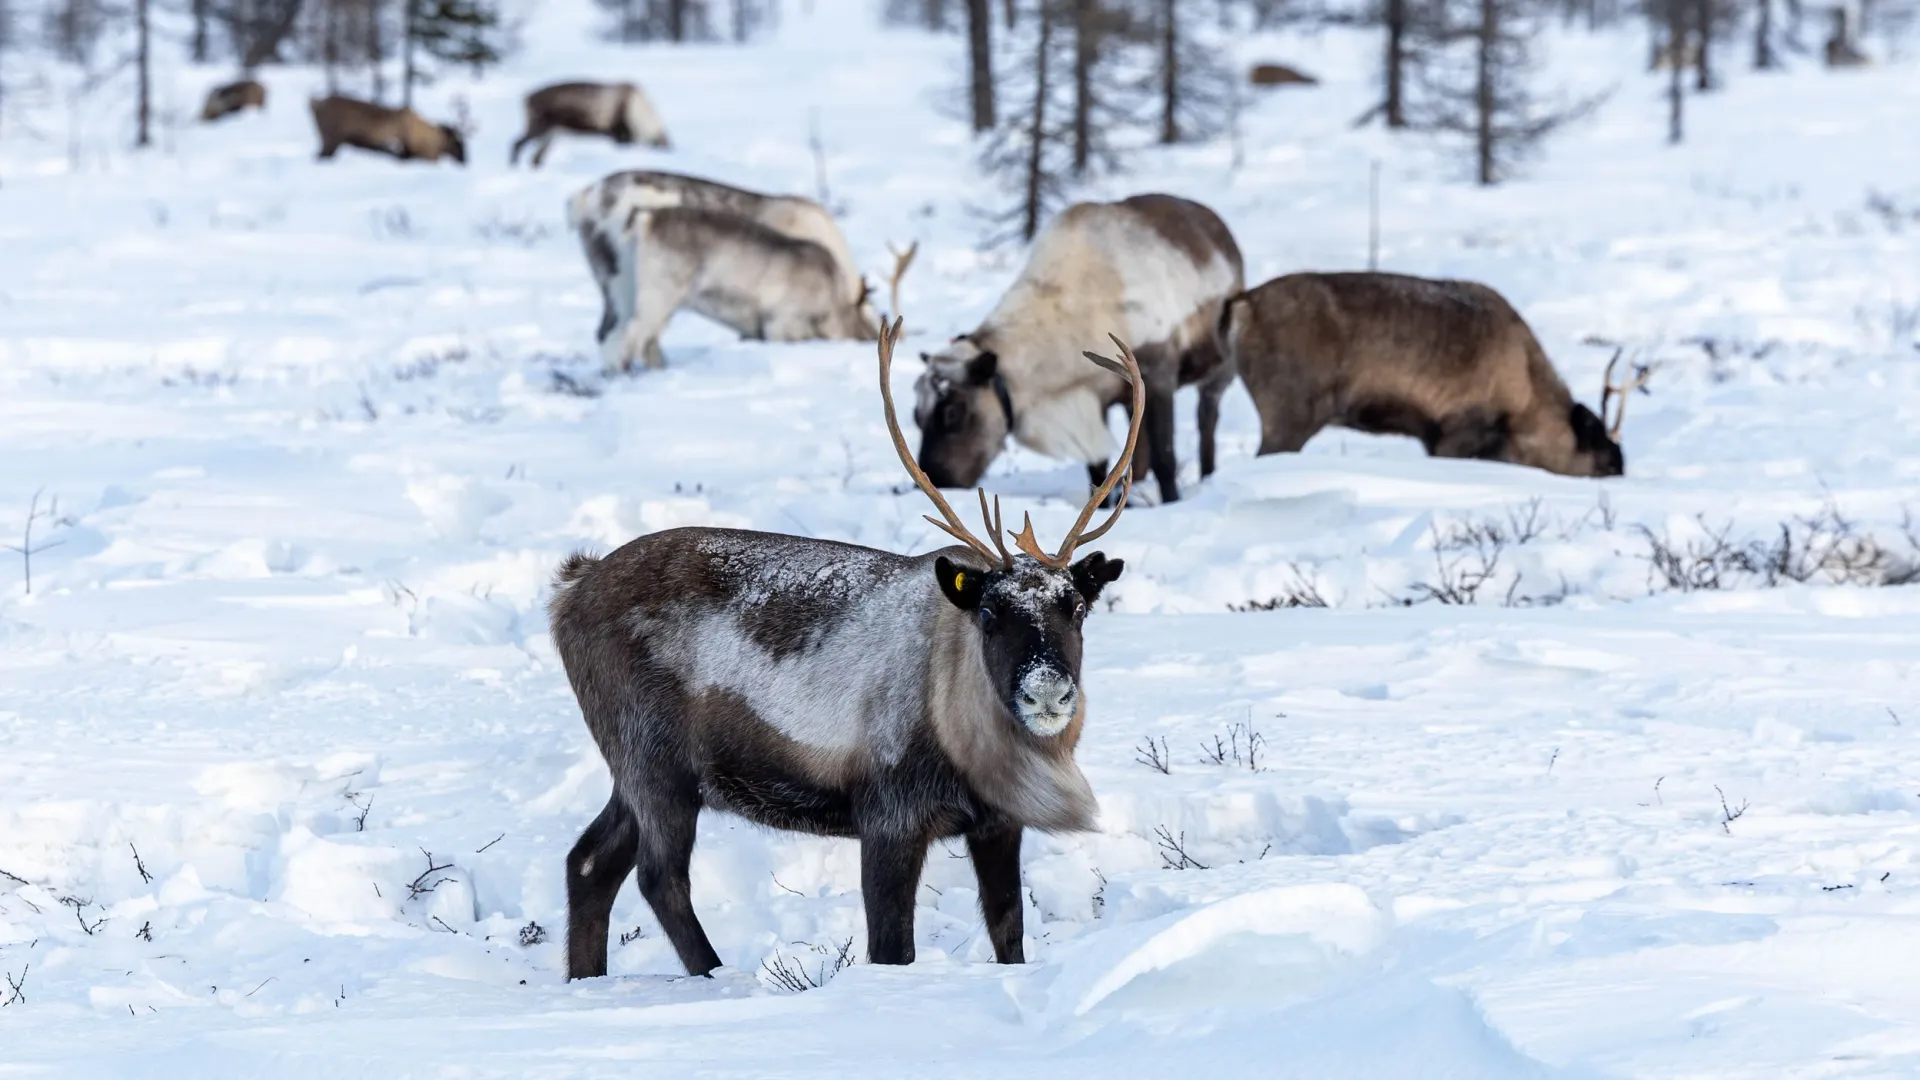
[(1641, 373), (1063, 558), (952, 526), (901, 260)]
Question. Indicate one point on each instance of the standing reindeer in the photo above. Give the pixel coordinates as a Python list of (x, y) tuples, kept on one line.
[(831, 689), (1447, 362), (620, 111), (1156, 265)]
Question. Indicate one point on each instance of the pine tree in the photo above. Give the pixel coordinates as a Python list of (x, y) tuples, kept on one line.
[(1477, 81), (1029, 152), (451, 31)]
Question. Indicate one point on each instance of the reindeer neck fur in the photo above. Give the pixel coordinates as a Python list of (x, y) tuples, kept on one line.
[(1034, 780)]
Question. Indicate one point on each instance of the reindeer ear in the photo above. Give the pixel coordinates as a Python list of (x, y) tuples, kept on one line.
[(1096, 572), (962, 584), (980, 369)]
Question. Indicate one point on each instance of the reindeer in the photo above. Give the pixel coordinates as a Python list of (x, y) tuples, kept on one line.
[(402, 133), (232, 98), (1159, 266), (1268, 74), (619, 111), (1447, 362), (831, 689), (1840, 50), (763, 284), (599, 211)]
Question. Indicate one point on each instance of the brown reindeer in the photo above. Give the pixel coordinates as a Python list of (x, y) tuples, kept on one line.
[(1447, 362), (1279, 75), (401, 133), (620, 111), (831, 689), (232, 98)]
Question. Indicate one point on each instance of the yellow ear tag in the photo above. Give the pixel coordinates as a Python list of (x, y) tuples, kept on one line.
[(959, 583)]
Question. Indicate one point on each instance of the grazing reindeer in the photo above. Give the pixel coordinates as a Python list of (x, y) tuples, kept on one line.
[(763, 284), (232, 98), (1447, 362), (1158, 266), (344, 121), (838, 690), (620, 111), (599, 211)]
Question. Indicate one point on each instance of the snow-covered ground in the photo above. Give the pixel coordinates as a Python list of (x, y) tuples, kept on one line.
[(319, 434)]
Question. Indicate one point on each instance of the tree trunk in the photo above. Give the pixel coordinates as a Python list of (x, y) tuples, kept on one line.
[(980, 62), (1677, 46), (1763, 58), (1037, 134), (143, 60), (330, 44), (676, 20), (1396, 63), (267, 32), (1084, 55), (1704, 16), (933, 14), (407, 31), (376, 51), (199, 31), (1169, 73), (1483, 88), (1010, 10)]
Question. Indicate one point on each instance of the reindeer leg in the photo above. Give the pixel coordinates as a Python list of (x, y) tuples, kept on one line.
[(996, 864), (889, 876), (1207, 418), (665, 852), (540, 152), (596, 866), (1159, 433)]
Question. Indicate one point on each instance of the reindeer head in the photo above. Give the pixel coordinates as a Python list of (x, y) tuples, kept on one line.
[(964, 410), (1027, 608), (1596, 439), (456, 133)]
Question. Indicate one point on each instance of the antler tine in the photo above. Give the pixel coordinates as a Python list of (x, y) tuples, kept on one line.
[(901, 260), (1607, 388), (994, 528), (1624, 390), (953, 526), (1123, 467)]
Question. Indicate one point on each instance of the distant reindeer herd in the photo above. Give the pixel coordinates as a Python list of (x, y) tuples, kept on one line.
[(825, 688)]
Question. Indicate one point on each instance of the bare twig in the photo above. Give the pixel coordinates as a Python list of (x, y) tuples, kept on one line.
[(790, 973), (1153, 755), (26, 547), (420, 886), (491, 842), (16, 987), (138, 865), (1729, 815), (1173, 850)]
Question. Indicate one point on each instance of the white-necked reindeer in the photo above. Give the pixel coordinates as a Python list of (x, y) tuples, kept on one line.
[(838, 690)]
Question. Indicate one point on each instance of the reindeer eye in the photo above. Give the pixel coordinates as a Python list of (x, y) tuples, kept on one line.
[(986, 618), (1079, 609)]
